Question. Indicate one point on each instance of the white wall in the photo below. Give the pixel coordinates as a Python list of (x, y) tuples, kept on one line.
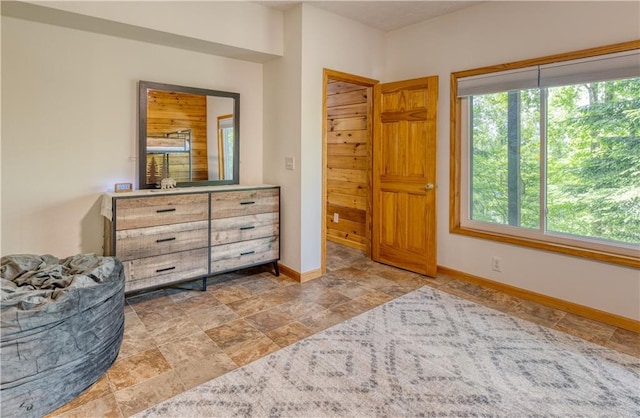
[(282, 116), (239, 24), (314, 39), (501, 32), (0, 138), (333, 42), (69, 126)]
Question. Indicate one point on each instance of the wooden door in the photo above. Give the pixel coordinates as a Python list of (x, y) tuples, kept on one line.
[(404, 174)]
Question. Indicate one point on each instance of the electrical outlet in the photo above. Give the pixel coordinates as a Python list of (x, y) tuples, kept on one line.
[(496, 263), (336, 218), (290, 163)]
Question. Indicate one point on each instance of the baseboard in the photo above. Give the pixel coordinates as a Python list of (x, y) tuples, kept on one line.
[(296, 275), (574, 308), (347, 243)]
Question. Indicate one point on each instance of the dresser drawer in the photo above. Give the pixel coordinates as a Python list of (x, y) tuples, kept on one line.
[(243, 228), (160, 210), (158, 240), (244, 253), (169, 267), (244, 202)]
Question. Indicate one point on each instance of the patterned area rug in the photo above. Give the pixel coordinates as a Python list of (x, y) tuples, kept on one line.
[(424, 354)]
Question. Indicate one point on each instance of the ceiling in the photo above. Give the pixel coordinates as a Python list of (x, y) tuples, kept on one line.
[(383, 15)]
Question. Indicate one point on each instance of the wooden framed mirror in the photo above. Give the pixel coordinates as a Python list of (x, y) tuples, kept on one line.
[(189, 134)]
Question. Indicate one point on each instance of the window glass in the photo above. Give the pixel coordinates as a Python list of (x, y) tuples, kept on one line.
[(227, 144), (593, 160), (505, 162), (546, 153), (592, 182)]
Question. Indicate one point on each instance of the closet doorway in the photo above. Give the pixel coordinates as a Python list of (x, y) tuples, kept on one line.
[(347, 160)]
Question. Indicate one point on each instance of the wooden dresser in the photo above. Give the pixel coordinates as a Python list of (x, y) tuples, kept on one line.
[(166, 237)]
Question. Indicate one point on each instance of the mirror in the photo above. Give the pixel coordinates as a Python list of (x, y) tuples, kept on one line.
[(189, 134)]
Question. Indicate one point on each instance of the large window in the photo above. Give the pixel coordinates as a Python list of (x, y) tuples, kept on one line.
[(547, 153)]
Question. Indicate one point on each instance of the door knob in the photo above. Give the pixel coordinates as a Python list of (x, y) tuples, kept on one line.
[(429, 186)]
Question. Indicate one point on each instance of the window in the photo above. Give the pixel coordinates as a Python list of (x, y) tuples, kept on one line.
[(225, 147), (546, 153)]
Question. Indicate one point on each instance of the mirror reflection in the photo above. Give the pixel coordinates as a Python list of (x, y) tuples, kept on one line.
[(188, 134)]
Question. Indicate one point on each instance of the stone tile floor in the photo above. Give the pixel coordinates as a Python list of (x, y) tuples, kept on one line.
[(178, 338)]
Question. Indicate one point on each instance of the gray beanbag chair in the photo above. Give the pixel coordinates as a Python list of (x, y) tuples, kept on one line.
[(62, 323)]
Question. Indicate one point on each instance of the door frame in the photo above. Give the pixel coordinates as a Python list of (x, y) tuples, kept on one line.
[(328, 74)]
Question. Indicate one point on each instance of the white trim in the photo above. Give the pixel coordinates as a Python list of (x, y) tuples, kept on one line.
[(465, 172), (543, 211), (552, 237)]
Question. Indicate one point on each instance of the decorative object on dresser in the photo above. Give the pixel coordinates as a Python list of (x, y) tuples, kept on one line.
[(123, 187), (167, 183), (178, 235)]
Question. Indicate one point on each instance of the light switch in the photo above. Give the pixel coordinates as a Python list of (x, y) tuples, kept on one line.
[(290, 163)]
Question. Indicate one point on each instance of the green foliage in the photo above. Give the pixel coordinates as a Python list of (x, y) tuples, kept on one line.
[(490, 156), (593, 159)]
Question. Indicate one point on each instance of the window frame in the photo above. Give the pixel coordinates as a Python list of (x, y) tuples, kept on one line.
[(548, 241)]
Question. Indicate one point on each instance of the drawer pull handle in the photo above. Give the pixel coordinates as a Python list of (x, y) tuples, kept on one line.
[(167, 269), (248, 252), (244, 228), (247, 203), (166, 210), (166, 239)]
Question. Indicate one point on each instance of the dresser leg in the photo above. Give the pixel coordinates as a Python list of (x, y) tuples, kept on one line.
[(276, 268), (204, 284)]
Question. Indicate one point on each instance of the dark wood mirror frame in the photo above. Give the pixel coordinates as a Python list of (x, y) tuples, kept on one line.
[(143, 88)]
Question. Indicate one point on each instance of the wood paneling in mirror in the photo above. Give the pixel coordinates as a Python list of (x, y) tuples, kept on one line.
[(171, 111)]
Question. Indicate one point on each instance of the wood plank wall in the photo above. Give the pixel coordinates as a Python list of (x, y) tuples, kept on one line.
[(169, 111), (349, 117)]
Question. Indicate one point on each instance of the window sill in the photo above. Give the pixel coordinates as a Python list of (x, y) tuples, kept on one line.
[(595, 255)]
